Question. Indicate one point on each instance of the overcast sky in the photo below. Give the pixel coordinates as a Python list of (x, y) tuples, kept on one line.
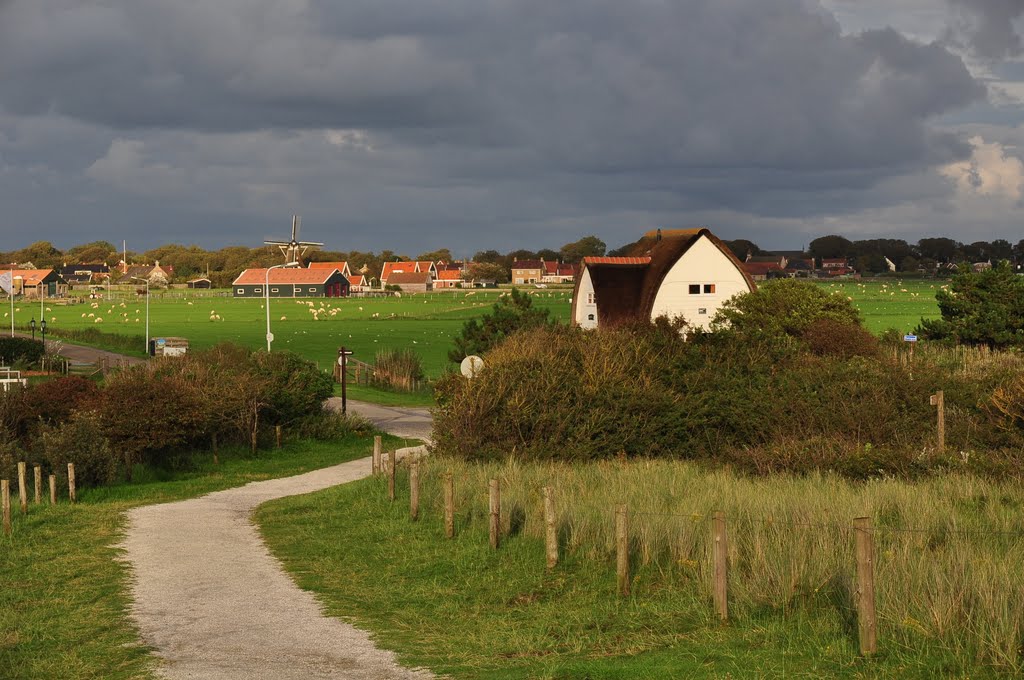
[(472, 124)]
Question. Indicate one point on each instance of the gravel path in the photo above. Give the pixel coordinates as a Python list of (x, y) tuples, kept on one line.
[(213, 602)]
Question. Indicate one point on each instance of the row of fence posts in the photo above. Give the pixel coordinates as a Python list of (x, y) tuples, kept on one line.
[(864, 593), (5, 492)]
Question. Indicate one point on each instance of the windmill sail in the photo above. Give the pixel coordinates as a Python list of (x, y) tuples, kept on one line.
[(294, 249)]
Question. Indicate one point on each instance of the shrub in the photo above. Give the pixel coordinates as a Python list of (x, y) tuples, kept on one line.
[(564, 393), (980, 308), (829, 337), (398, 368), (54, 401), (81, 440), (511, 313), (295, 388), (784, 307), (20, 350)]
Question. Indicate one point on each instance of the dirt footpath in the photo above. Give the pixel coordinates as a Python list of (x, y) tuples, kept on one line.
[(213, 602)]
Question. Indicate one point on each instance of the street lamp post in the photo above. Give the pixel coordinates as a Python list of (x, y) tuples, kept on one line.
[(266, 294), (32, 325), (146, 281), (12, 303), (42, 330)]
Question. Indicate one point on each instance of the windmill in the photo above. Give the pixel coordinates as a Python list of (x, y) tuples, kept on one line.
[(293, 249)]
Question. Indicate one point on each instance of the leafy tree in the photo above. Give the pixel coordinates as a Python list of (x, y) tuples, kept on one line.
[(436, 256), (980, 308), (830, 247), (741, 247), (784, 307), (511, 314), (585, 247), (548, 255), (874, 264), (487, 256), (487, 271), (940, 249)]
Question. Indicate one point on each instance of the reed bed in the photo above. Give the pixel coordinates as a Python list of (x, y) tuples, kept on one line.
[(950, 554)]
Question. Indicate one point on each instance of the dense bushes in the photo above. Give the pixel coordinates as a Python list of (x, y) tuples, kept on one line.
[(162, 412), (980, 308), (398, 369), (21, 351), (797, 395), (511, 313)]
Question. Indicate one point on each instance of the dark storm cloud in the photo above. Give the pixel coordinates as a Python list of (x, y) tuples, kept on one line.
[(541, 112), (988, 26)]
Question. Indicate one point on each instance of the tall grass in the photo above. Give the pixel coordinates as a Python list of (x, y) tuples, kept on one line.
[(949, 550), (399, 369)]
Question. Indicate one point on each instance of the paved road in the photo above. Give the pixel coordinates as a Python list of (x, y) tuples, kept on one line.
[(401, 421), (80, 354), (213, 602)]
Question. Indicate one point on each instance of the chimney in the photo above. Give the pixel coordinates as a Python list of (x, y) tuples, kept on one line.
[(659, 234)]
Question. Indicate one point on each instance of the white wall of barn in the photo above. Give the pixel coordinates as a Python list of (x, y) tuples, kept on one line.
[(586, 305), (702, 265)]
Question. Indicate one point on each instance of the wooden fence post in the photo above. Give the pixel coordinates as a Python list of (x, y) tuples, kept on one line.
[(277, 435), (5, 501), (721, 573), (550, 528), (53, 489), (375, 466), (414, 490), (449, 506), (22, 489), (495, 513), (939, 401), (38, 474), (391, 475), (865, 593), (72, 496), (622, 549)]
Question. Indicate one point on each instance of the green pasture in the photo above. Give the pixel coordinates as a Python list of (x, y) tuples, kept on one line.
[(313, 328), (316, 327), (891, 303)]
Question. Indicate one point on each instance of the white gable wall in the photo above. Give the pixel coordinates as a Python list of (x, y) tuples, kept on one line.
[(702, 264), (586, 305)]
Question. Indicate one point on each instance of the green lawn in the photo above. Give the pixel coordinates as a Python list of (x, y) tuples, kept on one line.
[(63, 591), (891, 303), (425, 323), (459, 608)]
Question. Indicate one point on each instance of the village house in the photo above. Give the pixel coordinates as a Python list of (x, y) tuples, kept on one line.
[(412, 282), (686, 272), (84, 274), (202, 283), (762, 271), (396, 268), (31, 283), (154, 273), (558, 272), (340, 266), (291, 282), (357, 283), (527, 271), (448, 278)]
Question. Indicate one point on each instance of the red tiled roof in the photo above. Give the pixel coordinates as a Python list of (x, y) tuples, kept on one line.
[(30, 277), (340, 266), (449, 275), (284, 275), (395, 267), (408, 277), (425, 266), (528, 264), (618, 260), (760, 268), (357, 280)]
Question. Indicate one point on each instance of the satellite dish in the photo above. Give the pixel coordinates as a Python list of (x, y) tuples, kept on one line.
[(472, 366)]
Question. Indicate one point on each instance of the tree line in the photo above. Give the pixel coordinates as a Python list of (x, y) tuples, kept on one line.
[(225, 264)]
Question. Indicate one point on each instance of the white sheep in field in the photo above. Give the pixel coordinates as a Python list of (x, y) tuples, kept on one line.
[(98, 320), (284, 318)]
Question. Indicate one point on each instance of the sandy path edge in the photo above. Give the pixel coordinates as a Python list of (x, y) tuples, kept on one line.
[(212, 601)]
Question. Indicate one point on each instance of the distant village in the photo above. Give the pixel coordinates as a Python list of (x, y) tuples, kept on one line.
[(339, 274)]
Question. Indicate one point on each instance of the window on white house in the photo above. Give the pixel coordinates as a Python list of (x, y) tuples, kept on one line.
[(694, 289), (702, 310), (709, 288), (590, 317), (591, 299)]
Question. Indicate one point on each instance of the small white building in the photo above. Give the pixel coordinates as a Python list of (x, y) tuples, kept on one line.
[(686, 272)]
